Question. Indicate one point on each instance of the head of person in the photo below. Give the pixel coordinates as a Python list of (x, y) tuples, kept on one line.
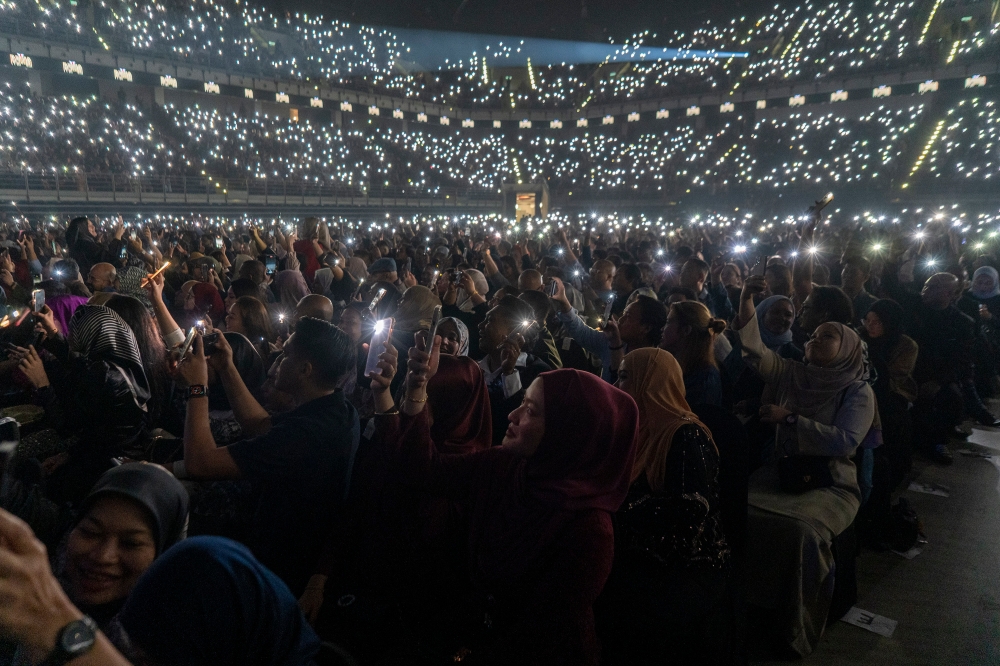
[(253, 270), (209, 601), (642, 322), (102, 277), (499, 294), (855, 273), (239, 288), (352, 321), (985, 283), (778, 278), (678, 294), (529, 280), (454, 337), (66, 270), (416, 309), (143, 325), (508, 316), (694, 272), (459, 406), (823, 347), (53, 288), (383, 270), (184, 298), (883, 322), (939, 290), (689, 335), (775, 316), (654, 379), (316, 356), (821, 274), (825, 304), (80, 227), (540, 304), (578, 433), (98, 333), (208, 301), (732, 276), (132, 515), (248, 316), (314, 305), (290, 286), (628, 278), (508, 268)]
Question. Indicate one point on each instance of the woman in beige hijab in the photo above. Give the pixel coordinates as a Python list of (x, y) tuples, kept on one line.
[(670, 552), (823, 410)]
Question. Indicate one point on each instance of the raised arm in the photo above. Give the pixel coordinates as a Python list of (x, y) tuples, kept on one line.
[(768, 365)]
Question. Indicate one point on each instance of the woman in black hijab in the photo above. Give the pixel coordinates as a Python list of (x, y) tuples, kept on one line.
[(133, 514), (81, 239)]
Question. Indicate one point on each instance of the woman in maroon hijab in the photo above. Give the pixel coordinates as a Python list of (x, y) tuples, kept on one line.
[(539, 507)]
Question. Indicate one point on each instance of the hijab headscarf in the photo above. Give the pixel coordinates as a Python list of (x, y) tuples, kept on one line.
[(891, 314), (463, 335), (989, 293), (464, 301), (156, 490), (658, 389), (357, 268), (770, 340), (208, 300), (416, 309), (98, 333), (130, 284), (583, 462), (291, 288), (460, 403), (323, 278), (809, 386), (208, 602)]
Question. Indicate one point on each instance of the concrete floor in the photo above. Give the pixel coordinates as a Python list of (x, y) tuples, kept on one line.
[(947, 599)]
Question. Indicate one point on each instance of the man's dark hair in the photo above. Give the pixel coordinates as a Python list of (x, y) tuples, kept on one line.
[(860, 262), (835, 303), (53, 288), (515, 311), (252, 270), (683, 253), (700, 263), (653, 314), (326, 347), (245, 287), (633, 274), (688, 294), (66, 269), (540, 304)]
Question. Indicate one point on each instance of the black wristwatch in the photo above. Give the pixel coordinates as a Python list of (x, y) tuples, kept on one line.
[(791, 419), (197, 391), (74, 640)]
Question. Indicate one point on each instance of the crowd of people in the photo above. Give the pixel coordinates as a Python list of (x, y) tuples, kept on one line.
[(432, 444), (793, 43)]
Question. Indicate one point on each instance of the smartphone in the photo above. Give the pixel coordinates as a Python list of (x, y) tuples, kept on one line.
[(435, 320), (132, 234), (202, 327), (218, 243), (822, 203), (37, 300), (187, 342), (271, 265), (123, 254), (375, 301), (524, 328), (208, 343), (550, 289), (607, 310), (383, 327)]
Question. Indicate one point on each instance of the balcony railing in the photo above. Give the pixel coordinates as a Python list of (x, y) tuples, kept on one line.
[(70, 187)]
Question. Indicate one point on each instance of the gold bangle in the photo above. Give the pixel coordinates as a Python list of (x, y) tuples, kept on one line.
[(414, 399)]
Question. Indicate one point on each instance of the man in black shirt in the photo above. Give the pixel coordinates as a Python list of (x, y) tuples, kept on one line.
[(945, 338), (299, 462)]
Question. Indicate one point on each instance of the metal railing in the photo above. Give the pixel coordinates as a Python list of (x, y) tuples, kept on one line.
[(71, 187)]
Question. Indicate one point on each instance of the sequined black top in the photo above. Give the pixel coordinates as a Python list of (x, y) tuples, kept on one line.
[(680, 526)]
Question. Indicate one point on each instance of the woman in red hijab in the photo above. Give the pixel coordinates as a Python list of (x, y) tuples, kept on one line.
[(208, 300), (540, 535)]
